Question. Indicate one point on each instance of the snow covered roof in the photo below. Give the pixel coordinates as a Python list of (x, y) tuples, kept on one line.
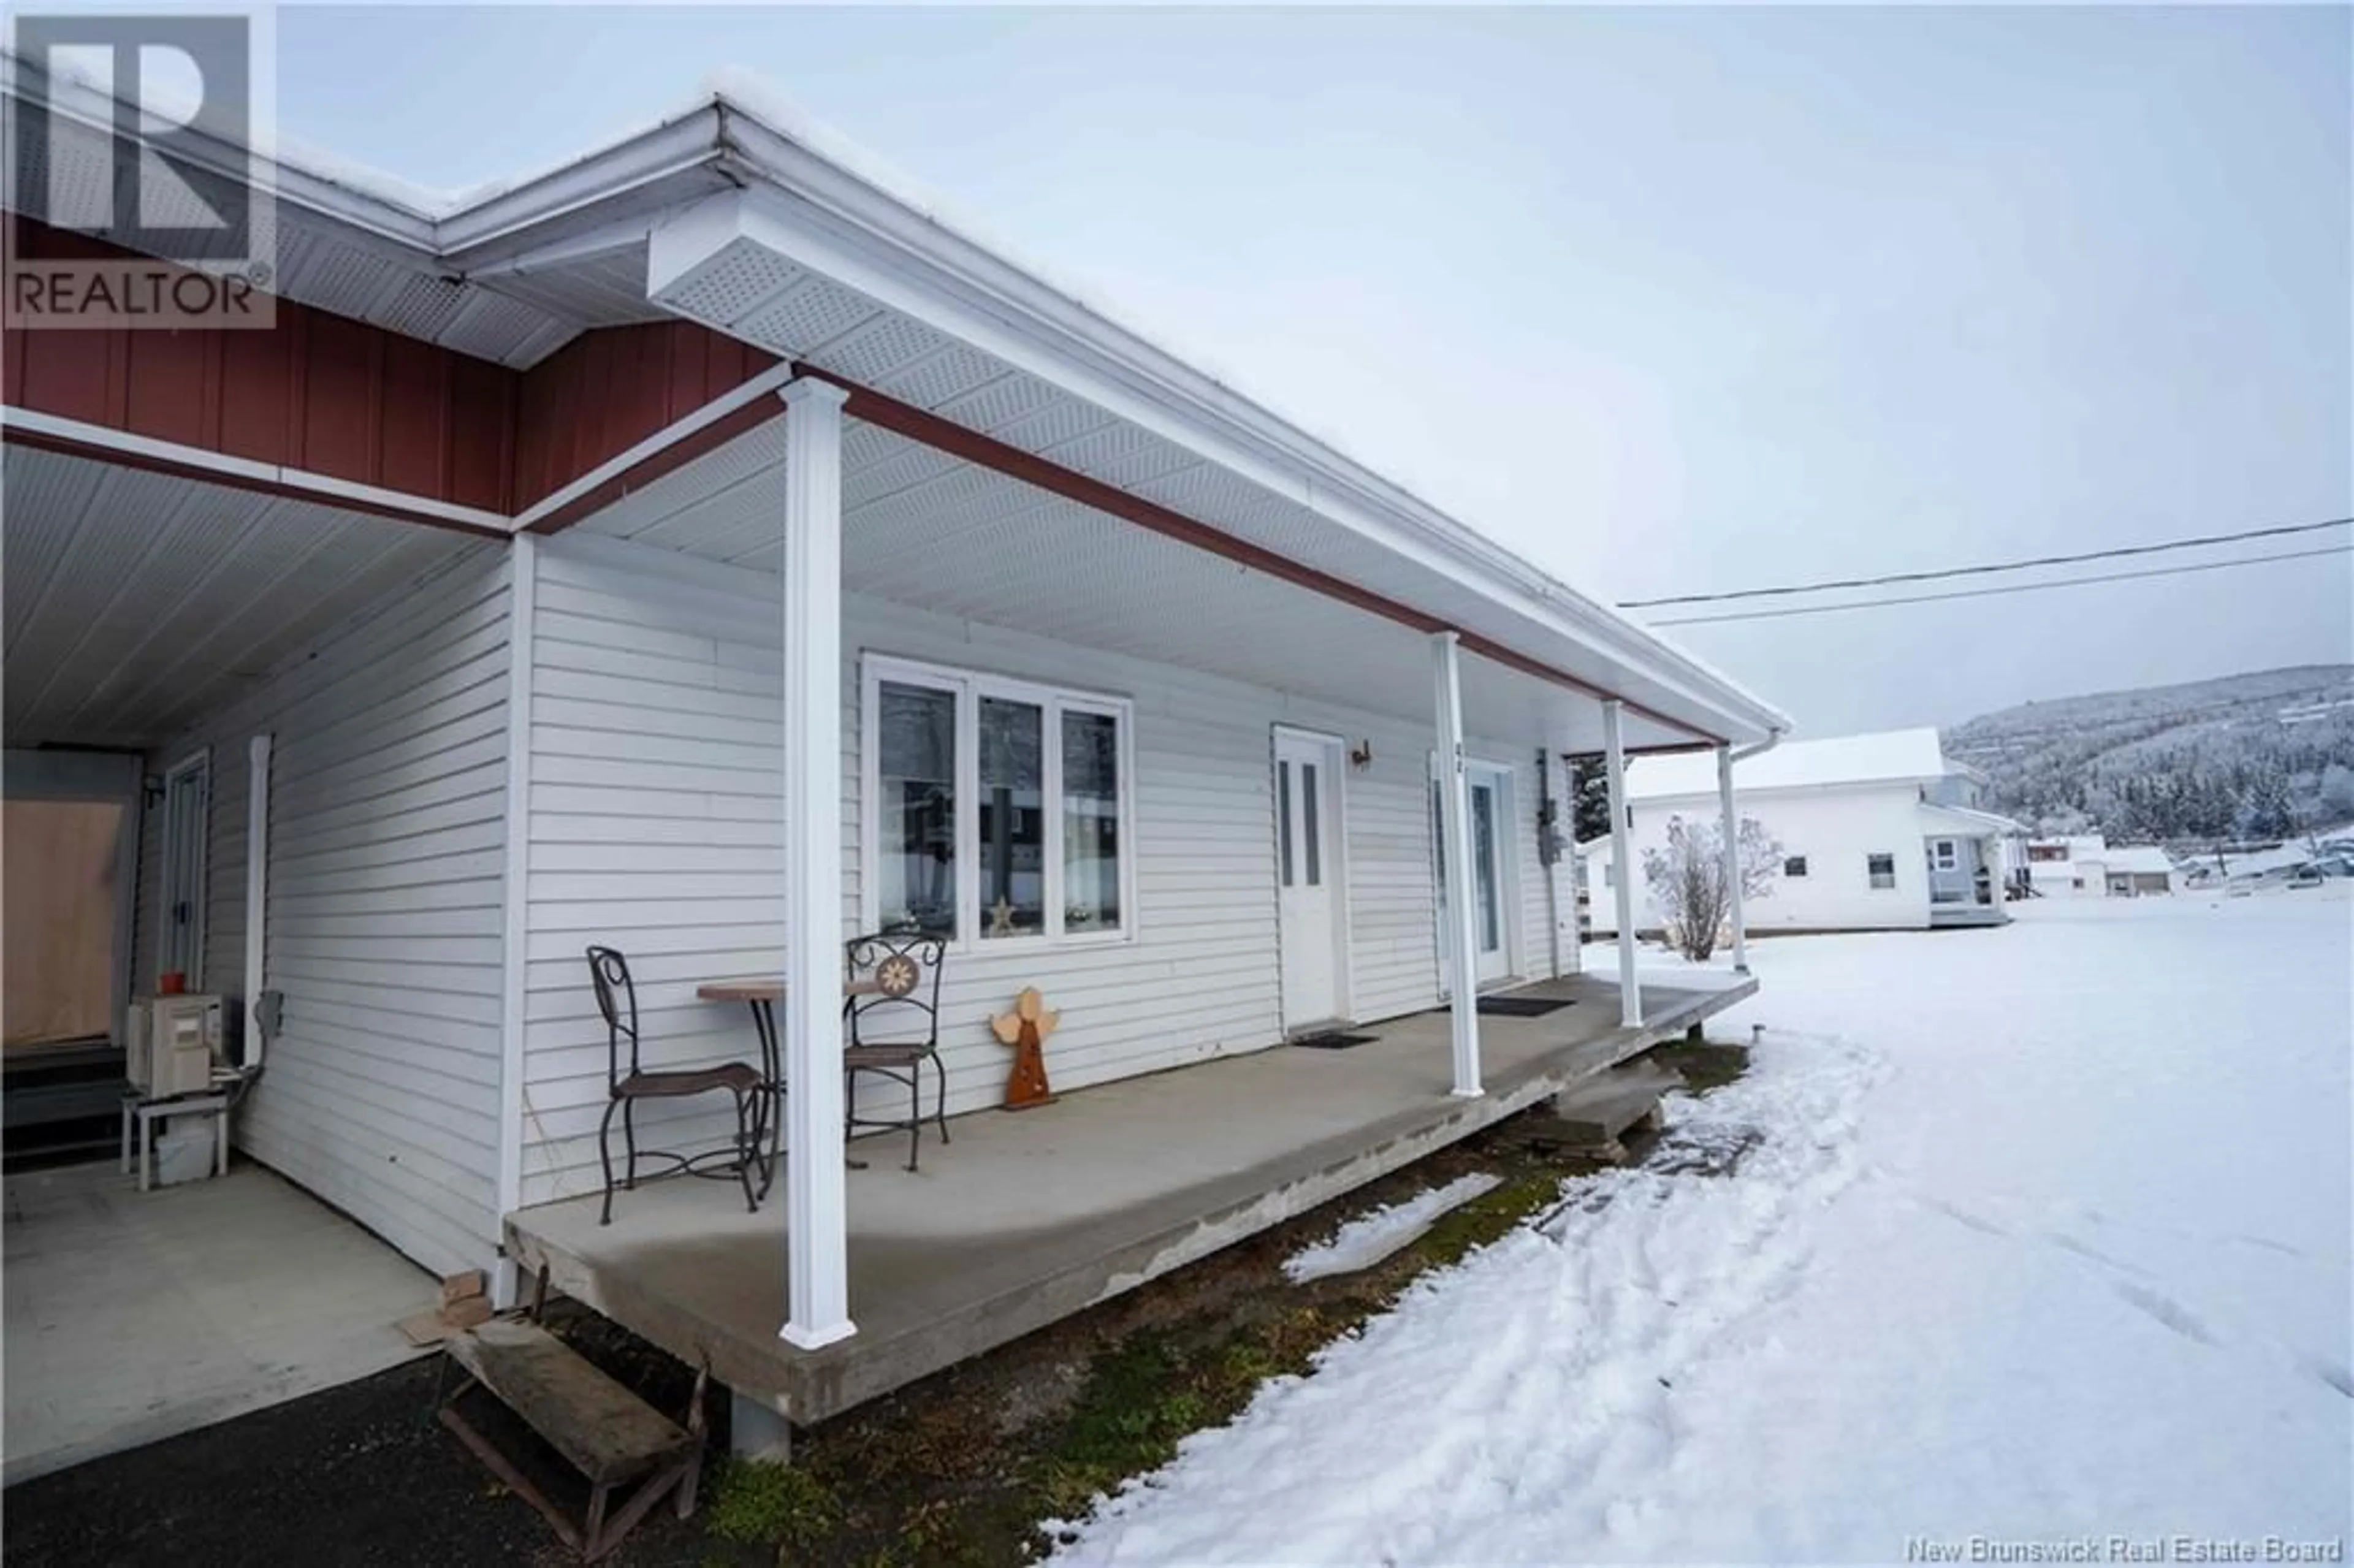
[(2080, 846), (2142, 860), (1886, 756), (1964, 820), (2256, 862)]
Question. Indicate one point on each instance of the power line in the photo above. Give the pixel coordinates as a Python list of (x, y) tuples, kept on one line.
[(1996, 566), (2008, 588)]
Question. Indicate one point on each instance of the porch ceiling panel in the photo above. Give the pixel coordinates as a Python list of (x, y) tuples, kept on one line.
[(136, 602), (782, 275), (968, 542)]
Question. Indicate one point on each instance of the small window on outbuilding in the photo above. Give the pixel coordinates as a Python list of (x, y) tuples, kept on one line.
[(1795, 865), (1883, 868)]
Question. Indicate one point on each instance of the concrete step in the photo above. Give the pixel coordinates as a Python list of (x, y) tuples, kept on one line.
[(1595, 1113)]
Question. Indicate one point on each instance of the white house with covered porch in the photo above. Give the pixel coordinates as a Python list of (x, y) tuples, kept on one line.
[(703, 550)]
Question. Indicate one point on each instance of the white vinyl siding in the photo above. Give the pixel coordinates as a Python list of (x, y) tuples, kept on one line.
[(657, 729), (656, 827), (386, 881), (225, 920), (1547, 892)]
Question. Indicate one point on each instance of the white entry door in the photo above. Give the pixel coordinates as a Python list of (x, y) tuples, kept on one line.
[(1488, 792), (1307, 895)]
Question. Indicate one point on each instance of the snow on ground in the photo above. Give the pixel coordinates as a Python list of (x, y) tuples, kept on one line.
[(2043, 1236), (1369, 1238)]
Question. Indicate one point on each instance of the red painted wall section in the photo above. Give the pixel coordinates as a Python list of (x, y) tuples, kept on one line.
[(326, 395), (606, 390), (314, 392)]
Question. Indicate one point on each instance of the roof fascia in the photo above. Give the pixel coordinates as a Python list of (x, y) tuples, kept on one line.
[(809, 209)]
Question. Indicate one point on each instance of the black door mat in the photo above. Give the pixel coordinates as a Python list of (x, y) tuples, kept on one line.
[(1331, 1040), (1523, 1006)]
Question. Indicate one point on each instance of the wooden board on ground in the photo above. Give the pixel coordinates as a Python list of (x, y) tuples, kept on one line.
[(603, 1430)]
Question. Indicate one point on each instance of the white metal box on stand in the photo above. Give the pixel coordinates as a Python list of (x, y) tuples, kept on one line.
[(172, 1044)]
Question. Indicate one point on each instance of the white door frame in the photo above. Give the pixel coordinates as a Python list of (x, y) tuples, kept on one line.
[(1332, 854), (182, 869)]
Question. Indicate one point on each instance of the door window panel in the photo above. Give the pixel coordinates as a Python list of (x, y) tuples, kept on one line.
[(1483, 866), (1308, 831), (1283, 818)]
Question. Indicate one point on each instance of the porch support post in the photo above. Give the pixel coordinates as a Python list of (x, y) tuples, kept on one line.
[(1630, 991), (817, 1243), (1732, 858), (1455, 824)]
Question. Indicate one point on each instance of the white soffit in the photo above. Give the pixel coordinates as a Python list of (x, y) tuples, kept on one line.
[(516, 319), (925, 529), (136, 602), (786, 276)]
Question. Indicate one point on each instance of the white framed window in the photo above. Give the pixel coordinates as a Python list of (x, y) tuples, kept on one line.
[(1881, 868), (1793, 865), (1945, 854), (998, 812)]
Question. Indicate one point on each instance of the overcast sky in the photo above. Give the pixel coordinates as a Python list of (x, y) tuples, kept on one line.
[(1669, 301)]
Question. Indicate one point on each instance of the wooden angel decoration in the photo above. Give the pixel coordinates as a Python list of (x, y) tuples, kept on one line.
[(1025, 1029)]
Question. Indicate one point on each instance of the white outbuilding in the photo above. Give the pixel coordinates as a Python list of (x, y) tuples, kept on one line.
[(2137, 872), (1875, 831)]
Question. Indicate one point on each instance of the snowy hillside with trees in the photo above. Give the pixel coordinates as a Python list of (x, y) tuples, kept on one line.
[(2262, 755)]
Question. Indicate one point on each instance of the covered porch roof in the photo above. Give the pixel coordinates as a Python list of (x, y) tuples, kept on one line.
[(926, 528), (735, 215), (136, 603)]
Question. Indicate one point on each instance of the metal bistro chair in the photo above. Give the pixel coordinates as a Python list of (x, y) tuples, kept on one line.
[(905, 1006), (617, 999)]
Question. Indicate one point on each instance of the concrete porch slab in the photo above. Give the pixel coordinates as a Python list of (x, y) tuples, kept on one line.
[(1027, 1218), (132, 1316)]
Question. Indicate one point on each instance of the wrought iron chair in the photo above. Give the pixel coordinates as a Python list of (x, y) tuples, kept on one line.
[(617, 999), (905, 1009)]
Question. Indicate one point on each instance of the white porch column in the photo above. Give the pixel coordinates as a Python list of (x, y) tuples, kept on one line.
[(817, 1243), (1732, 858), (1630, 991), (1455, 825)]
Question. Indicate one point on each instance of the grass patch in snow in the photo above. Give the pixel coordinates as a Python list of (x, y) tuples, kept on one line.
[(1487, 1218)]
